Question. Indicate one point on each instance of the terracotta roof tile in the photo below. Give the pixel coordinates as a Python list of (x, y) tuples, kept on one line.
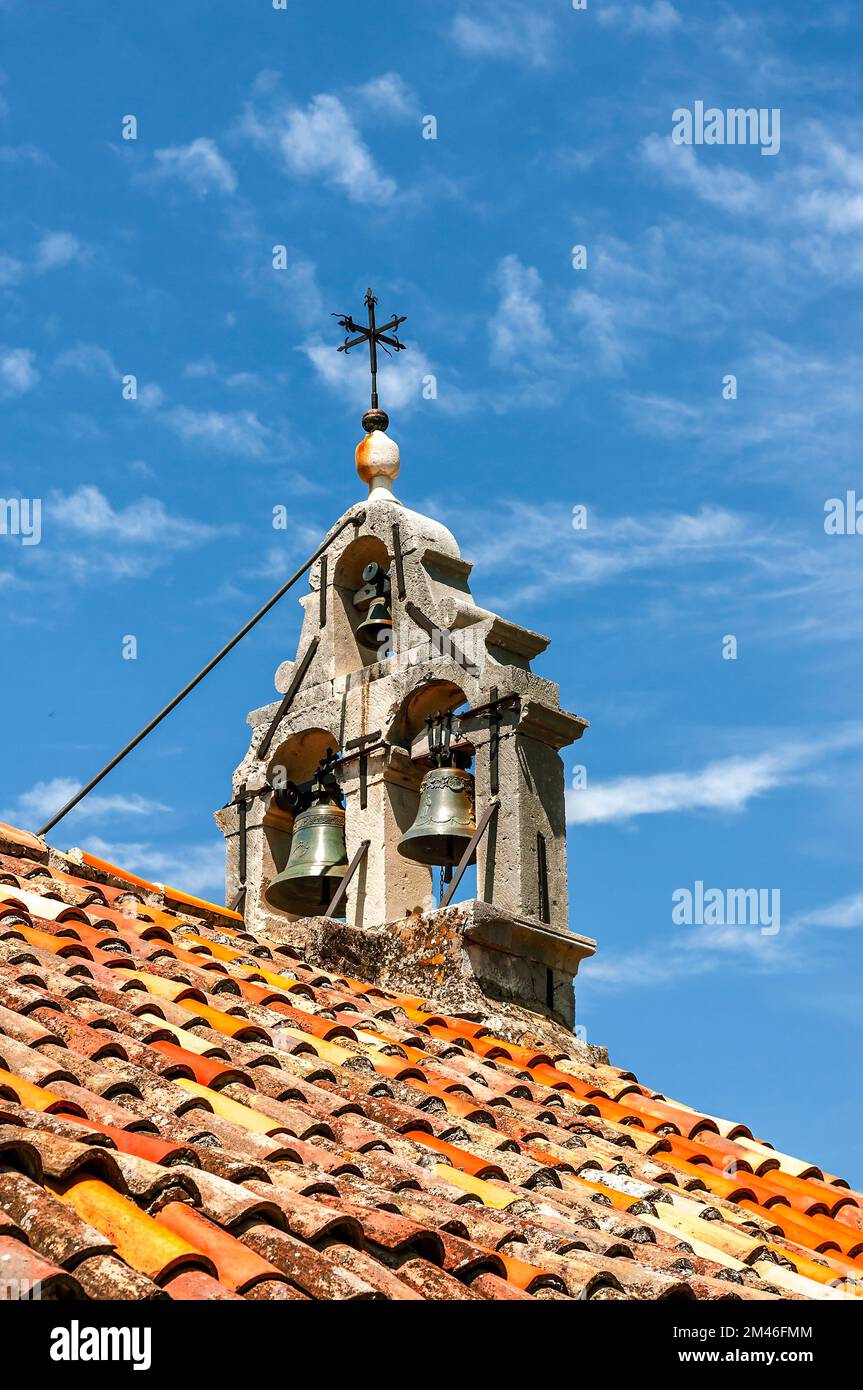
[(432, 1282), (309, 1270), (54, 1231), (22, 1267), (106, 1277), (187, 1111)]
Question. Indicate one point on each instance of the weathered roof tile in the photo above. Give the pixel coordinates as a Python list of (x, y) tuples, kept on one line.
[(189, 1112)]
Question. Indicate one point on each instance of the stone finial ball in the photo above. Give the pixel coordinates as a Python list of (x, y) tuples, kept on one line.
[(378, 457)]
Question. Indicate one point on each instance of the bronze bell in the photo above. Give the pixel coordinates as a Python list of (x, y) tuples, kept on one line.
[(318, 860), (376, 628), (375, 631), (444, 823)]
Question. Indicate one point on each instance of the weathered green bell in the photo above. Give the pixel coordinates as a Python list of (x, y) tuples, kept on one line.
[(317, 863), (444, 823), (375, 630)]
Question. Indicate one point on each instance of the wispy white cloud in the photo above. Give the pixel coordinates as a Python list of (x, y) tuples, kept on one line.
[(818, 190), (18, 371), (200, 165), (238, 432), (23, 154), (322, 141), (610, 547), (89, 359), (664, 416), (733, 190), (602, 329), (655, 17), (388, 95), (687, 954), (800, 410), (230, 431), (88, 513), (205, 369), (401, 380), (843, 913), (57, 249), (518, 330), (502, 30), (196, 868), (32, 806), (11, 269), (726, 785)]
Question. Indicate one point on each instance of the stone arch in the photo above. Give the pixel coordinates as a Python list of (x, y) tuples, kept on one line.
[(425, 699), (294, 760), (300, 753), (348, 655)]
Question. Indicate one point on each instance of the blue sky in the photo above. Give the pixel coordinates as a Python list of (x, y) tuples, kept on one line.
[(557, 388)]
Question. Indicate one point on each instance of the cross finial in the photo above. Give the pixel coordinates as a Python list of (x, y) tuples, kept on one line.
[(387, 337)]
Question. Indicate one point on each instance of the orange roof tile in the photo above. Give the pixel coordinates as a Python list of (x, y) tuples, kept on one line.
[(203, 1070)]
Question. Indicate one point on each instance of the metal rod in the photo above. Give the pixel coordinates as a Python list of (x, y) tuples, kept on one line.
[(494, 744), (342, 890), (435, 632), (242, 813), (355, 520), (288, 697), (542, 871), (511, 701), (399, 562), (322, 617), (373, 348), (359, 752), (360, 748), (470, 851), (364, 779)]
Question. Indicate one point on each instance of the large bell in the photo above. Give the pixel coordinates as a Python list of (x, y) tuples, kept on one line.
[(444, 823), (375, 630), (317, 863)]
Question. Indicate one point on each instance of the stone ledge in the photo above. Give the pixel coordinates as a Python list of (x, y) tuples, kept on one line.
[(512, 974)]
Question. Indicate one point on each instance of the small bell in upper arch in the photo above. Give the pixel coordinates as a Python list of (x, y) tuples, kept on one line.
[(375, 631)]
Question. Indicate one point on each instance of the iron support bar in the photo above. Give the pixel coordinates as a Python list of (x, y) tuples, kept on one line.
[(542, 871), (494, 744), (342, 890), (242, 812), (470, 851), (356, 519), (322, 594), (432, 629), (358, 753), (361, 747), (398, 559), (288, 697), (502, 702)]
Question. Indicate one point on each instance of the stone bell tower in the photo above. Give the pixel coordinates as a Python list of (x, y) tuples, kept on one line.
[(509, 947)]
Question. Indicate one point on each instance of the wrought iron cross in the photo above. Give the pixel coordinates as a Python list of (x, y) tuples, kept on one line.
[(385, 336)]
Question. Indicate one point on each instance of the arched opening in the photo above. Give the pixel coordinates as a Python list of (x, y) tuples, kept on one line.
[(349, 654), (295, 760), (410, 730)]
